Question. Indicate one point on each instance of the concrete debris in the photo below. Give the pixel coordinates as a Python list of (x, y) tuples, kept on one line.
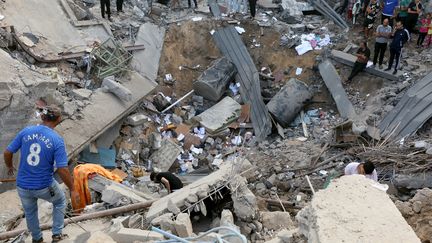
[(217, 117), (288, 102), (100, 237), (137, 119), (183, 225), (165, 222), (110, 85), (134, 235), (245, 203), (81, 94), (206, 183), (336, 214), (276, 220), (212, 83), (418, 213), (165, 156)]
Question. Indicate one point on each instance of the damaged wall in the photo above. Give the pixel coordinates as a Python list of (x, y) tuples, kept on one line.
[(353, 209), (20, 88)]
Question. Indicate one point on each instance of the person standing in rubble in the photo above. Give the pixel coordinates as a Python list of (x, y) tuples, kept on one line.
[(41, 150), (371, 13), (119, 5), (169, 180), (383, 33), (389, 9), (400, 37), (363, 54), (367, 169), (252, 8), (414, 9), (106, 7)]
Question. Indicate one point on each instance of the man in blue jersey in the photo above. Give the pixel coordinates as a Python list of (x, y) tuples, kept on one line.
[(389, 8), (41, 150)]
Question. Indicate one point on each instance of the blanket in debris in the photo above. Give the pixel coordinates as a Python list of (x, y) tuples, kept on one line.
[(81, 175)]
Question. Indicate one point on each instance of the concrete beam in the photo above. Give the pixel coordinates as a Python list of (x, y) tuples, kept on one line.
[(219, 177), (349, 60), (334, 85)]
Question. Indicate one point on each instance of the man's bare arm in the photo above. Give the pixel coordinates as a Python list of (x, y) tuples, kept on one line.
[(8, 159), (166, 183), (66, 177)]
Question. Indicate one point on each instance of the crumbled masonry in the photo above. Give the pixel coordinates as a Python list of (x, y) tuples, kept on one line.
[(254, 116)]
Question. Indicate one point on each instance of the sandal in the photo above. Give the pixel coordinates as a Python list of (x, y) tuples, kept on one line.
[(59, 237)]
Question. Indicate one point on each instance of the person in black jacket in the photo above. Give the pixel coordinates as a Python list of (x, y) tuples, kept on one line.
[(400, 37), (119, 4), (105, 7)]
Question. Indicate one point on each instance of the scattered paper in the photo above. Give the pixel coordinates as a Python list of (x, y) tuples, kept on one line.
[(212, 32), (303, 48), (240, 30), (299, 71), (195, 19), (180, 137)]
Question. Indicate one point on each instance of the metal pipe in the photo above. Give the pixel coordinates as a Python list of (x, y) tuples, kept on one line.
[(178, 101), (101, 214)]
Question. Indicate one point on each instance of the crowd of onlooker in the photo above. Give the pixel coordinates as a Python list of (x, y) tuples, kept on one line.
[(400, 21)]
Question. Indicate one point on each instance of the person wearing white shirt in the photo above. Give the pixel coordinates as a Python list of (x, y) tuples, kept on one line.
[(366, 168)]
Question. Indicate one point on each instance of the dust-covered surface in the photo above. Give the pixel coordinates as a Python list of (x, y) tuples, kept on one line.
[(353, 209)]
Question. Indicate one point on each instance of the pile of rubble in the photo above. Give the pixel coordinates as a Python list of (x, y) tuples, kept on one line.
[(212, 97)]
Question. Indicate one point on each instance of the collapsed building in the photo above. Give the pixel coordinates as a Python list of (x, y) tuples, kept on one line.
[(252, 116)]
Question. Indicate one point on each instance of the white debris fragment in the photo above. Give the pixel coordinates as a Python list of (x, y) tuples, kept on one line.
[(299, 71), (240, 30), (195, 19)]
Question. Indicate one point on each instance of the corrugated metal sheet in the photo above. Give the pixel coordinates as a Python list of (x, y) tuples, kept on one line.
[(231, 45), (412, 111)]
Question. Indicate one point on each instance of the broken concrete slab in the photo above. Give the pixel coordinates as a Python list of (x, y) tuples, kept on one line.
[(289, 101), (146, 62), (212, 83), (349, 60), (208, 183), (81, 94), (334, 84), (232, 46), (113, 192), (133, 235), (165, 156), (62, 36), (244, 201), (105, 111), (336, 214), (183, 225), (217, 117), (20, 88)]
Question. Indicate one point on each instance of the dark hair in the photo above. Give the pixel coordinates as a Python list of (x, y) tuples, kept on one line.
[(365, 43), (153, 176), (50, 113), (368, 167)]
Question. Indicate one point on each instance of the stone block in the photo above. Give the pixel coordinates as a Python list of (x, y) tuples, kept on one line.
[(165, 222), (137, 119), (183, 225), (276, 220), (81, 94), (131, 235)]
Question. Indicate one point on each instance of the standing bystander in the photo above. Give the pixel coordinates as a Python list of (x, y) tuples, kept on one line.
[(41, 150), (414, 9), (106, 7), (371, 12), (389, 8), (383, 34), (423, 31), (400, 37)]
